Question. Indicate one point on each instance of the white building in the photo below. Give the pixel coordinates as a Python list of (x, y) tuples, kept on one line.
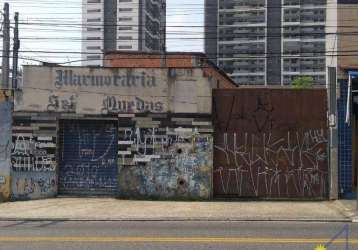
[(130, 25)]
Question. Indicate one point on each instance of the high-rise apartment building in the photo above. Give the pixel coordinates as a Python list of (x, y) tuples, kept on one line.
[(269, 42), (129, 25)]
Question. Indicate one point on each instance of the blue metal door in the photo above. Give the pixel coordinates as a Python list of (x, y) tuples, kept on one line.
[(88, 157)]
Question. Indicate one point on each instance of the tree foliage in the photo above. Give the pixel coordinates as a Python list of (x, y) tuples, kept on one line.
[(302, 82)]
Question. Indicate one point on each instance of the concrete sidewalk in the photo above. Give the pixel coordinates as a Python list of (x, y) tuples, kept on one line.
[(123, 210)]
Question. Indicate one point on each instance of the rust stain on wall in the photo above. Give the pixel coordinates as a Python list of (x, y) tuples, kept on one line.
[(270, 143)]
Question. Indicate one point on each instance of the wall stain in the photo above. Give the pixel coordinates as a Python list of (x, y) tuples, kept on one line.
[(273, 144), (5, 146), (165, 164)]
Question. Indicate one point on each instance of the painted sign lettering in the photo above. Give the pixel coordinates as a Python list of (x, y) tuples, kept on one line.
[(113, 104), (66, 78), (56, 103)]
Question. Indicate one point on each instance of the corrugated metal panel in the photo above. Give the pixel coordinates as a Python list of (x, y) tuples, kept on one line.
[(88, 157), (270, 143)]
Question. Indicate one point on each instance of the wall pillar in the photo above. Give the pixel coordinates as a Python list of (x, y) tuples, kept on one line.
[(333, 133), (5, 144)]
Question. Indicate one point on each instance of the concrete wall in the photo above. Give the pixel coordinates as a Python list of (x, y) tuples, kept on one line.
[(5, 146), (161, 156), (33, 157), (98, 91), (160, 159), (164, 128)]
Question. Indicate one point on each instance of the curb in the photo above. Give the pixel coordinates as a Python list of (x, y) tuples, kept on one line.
[(320, 220), (344, 210)]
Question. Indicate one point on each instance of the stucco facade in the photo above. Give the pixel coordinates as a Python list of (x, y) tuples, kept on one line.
[(134, 133)]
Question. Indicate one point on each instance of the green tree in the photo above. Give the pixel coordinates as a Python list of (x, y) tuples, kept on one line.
[(302, 82)]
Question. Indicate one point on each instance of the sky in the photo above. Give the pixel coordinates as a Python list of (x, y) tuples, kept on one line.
[(40, 30)]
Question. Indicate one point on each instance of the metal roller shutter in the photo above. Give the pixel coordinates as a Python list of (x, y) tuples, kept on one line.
[(88, 157)]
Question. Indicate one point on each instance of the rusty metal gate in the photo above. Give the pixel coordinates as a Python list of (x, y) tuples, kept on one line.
[(270, 143), (88, 157)]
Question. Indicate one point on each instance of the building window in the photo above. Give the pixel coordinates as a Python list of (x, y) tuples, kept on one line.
[(125, 28), (93, 47), (125, 38), (125, 47), (93, 29), (96, 57), (93, 10), (125, 9), (125, 19), (93, 38), (93, 20)]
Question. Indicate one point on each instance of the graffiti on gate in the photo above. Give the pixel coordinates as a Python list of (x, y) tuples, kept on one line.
[(86, 176), (273, 166), (88, 156)]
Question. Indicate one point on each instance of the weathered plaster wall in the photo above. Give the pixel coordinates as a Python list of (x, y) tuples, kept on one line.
[(164, 128), (5, 146), (33, 157), (102, 91), (160, 156), (165, 162)]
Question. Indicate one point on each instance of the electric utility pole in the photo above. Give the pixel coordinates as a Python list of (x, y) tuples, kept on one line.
[(15, 53), (162, 34), (6, 48)]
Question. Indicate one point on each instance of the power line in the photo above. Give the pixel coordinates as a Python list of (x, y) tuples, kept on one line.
[(6, 48), (210, 58), (102, 24), (255, 53), (78, 5)]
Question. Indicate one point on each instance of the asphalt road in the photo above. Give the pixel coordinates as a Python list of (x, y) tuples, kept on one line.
[(173, 235)]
